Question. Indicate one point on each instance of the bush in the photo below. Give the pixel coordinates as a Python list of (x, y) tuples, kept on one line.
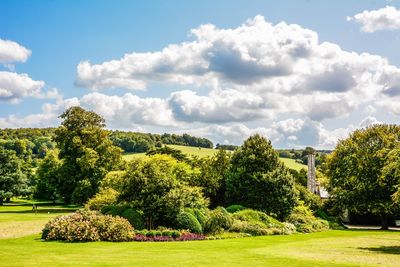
[(134, 217), (114, 210), (84, 226), (235, 208), (218, 221), (250, 215), (103, 198), (305, 221), (186, 220), (252, 228), (200, 214)]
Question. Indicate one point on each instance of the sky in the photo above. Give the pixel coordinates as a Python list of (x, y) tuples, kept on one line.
[(301, 73)]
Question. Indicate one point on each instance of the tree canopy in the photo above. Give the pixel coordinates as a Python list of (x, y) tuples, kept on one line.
[(86, 152), (259, 180), (363, 174)]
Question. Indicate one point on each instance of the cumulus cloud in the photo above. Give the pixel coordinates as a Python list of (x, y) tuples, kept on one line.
[(387, 18), (255, 71), (14, 86), (11, 51)]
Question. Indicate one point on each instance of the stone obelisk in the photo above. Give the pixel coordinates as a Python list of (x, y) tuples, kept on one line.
[(311, 179)]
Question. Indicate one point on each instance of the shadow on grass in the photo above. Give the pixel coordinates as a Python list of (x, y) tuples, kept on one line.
[(384, 249)]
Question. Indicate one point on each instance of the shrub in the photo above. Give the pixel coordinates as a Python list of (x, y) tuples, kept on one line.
[(252, 228), (87, 226), (114, 210), (250, 215), (200, 214), (134, 217), (305, 221), (103, 198), (218, 221), (188, 221), (235, 208)]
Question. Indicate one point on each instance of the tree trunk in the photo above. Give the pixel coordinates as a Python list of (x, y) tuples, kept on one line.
[(384, 223), (8, 200), (1, 201)]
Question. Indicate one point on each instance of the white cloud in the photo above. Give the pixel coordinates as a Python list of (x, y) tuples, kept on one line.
[(255, 71), (387, 18), (14, 86), (11, 51)]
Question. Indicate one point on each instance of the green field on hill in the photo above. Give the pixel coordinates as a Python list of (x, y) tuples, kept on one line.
[(203, 152), (22, 246)]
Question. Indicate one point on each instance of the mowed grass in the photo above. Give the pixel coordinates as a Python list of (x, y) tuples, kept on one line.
[(331, 248), (204, 152), (18, 219)]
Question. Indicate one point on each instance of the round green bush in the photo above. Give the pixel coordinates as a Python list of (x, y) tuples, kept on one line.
[(305, 222), (235, 208), (84, 226), (114, 210), (134, 217), (250, 215), (218, 221), (188, 221), (175, 234)]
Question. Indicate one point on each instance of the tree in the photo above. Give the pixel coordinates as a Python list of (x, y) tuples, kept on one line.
[(154, 185), (12, 179), (213, 173), (259, 180), (360, 178), (47, 176), (86, 152)]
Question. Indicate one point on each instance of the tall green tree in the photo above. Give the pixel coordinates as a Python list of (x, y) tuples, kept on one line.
[(212, 177), (47, 177), (360, 178), (157, 186), (259, 180), (86, 152), (12, 180)]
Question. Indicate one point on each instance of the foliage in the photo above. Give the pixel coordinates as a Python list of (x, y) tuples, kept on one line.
[(213, 173), (154, 186), (361, 178), (166, 150), (234, 208), (47, 176), (167, 235), (250, 215), (186, 140), (259, 180), (311, 200), (188, 221), (134, 217), (305, 222), (219, 219), (87, 226), (13, 181), (259, 223), (226, 147), (103, 198), (86, 152)]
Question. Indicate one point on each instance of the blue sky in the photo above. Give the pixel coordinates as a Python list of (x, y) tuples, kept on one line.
[(63, 34)]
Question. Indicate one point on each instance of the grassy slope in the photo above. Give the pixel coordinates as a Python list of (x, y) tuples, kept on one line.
[(203, 152)]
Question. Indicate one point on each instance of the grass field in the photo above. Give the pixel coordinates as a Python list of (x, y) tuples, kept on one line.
[(331, 248), (203, 152), (18, 219)]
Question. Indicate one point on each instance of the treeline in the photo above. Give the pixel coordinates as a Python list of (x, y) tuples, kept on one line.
[(34, 142)]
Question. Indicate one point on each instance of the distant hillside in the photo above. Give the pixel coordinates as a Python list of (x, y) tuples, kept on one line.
[(203, 152)]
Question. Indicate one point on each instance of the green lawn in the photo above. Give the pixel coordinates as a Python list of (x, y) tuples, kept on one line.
[(331, 248), (203, 152), (18, 219)]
